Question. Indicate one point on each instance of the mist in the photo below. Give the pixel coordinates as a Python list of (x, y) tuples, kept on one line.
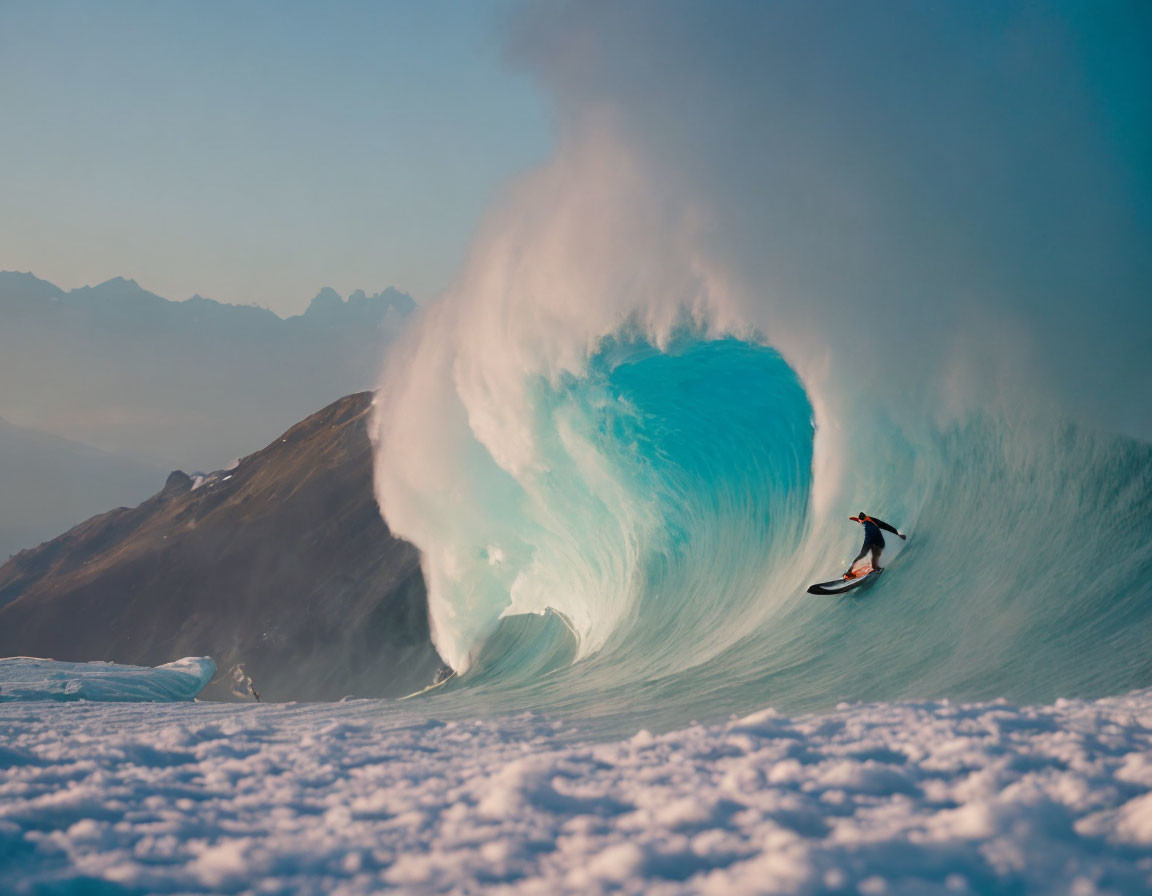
[(894, 183)]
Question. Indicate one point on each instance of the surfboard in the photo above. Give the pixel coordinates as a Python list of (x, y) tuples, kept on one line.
[(843, 586), (432, 687)]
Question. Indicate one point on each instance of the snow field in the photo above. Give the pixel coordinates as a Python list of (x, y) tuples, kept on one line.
[(348, 798)]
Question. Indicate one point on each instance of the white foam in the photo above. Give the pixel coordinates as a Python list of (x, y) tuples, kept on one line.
[(925, 797)]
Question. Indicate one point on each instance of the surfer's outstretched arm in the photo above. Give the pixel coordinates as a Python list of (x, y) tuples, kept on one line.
[(883, 525)]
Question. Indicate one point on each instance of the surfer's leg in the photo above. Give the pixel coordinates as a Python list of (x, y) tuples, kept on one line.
[(876, 551), (864, 550)]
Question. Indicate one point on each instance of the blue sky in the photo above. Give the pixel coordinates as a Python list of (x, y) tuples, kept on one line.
[(254, 152)]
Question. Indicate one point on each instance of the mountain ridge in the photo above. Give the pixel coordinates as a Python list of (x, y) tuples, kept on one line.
[(281, 569), (126, 291)]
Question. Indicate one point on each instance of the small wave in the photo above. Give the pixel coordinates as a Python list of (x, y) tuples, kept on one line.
[(25, 678)]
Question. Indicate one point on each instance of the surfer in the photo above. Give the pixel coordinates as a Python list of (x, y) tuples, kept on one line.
[(873, 540)]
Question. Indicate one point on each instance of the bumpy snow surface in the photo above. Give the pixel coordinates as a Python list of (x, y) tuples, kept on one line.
[(349, 798)]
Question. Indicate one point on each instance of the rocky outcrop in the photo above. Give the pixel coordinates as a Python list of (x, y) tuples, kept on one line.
[(281, 569)]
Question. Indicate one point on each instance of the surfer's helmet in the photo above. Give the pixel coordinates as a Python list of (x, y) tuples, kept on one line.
[(862, 516)]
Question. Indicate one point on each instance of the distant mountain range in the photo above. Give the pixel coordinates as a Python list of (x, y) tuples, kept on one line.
[(279, 568), (109, 301), (180, 384)]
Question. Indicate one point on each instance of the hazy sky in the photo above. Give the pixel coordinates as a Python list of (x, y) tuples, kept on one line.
[(256, 151)]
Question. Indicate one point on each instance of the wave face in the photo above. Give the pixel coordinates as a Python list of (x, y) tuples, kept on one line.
[(685, 350), (651, 557)]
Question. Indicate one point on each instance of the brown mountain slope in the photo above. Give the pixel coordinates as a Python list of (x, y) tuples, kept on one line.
[(282, 564)]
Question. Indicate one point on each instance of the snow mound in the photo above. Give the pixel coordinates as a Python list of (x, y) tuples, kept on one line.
[(27, 678)]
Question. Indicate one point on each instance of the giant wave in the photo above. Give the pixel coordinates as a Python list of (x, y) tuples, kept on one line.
[(651, 556), (685, 350)]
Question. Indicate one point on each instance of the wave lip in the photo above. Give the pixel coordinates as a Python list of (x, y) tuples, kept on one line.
[(658, 488)]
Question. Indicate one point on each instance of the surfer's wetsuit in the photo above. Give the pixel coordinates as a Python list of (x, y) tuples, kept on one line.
[(873, 539)]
